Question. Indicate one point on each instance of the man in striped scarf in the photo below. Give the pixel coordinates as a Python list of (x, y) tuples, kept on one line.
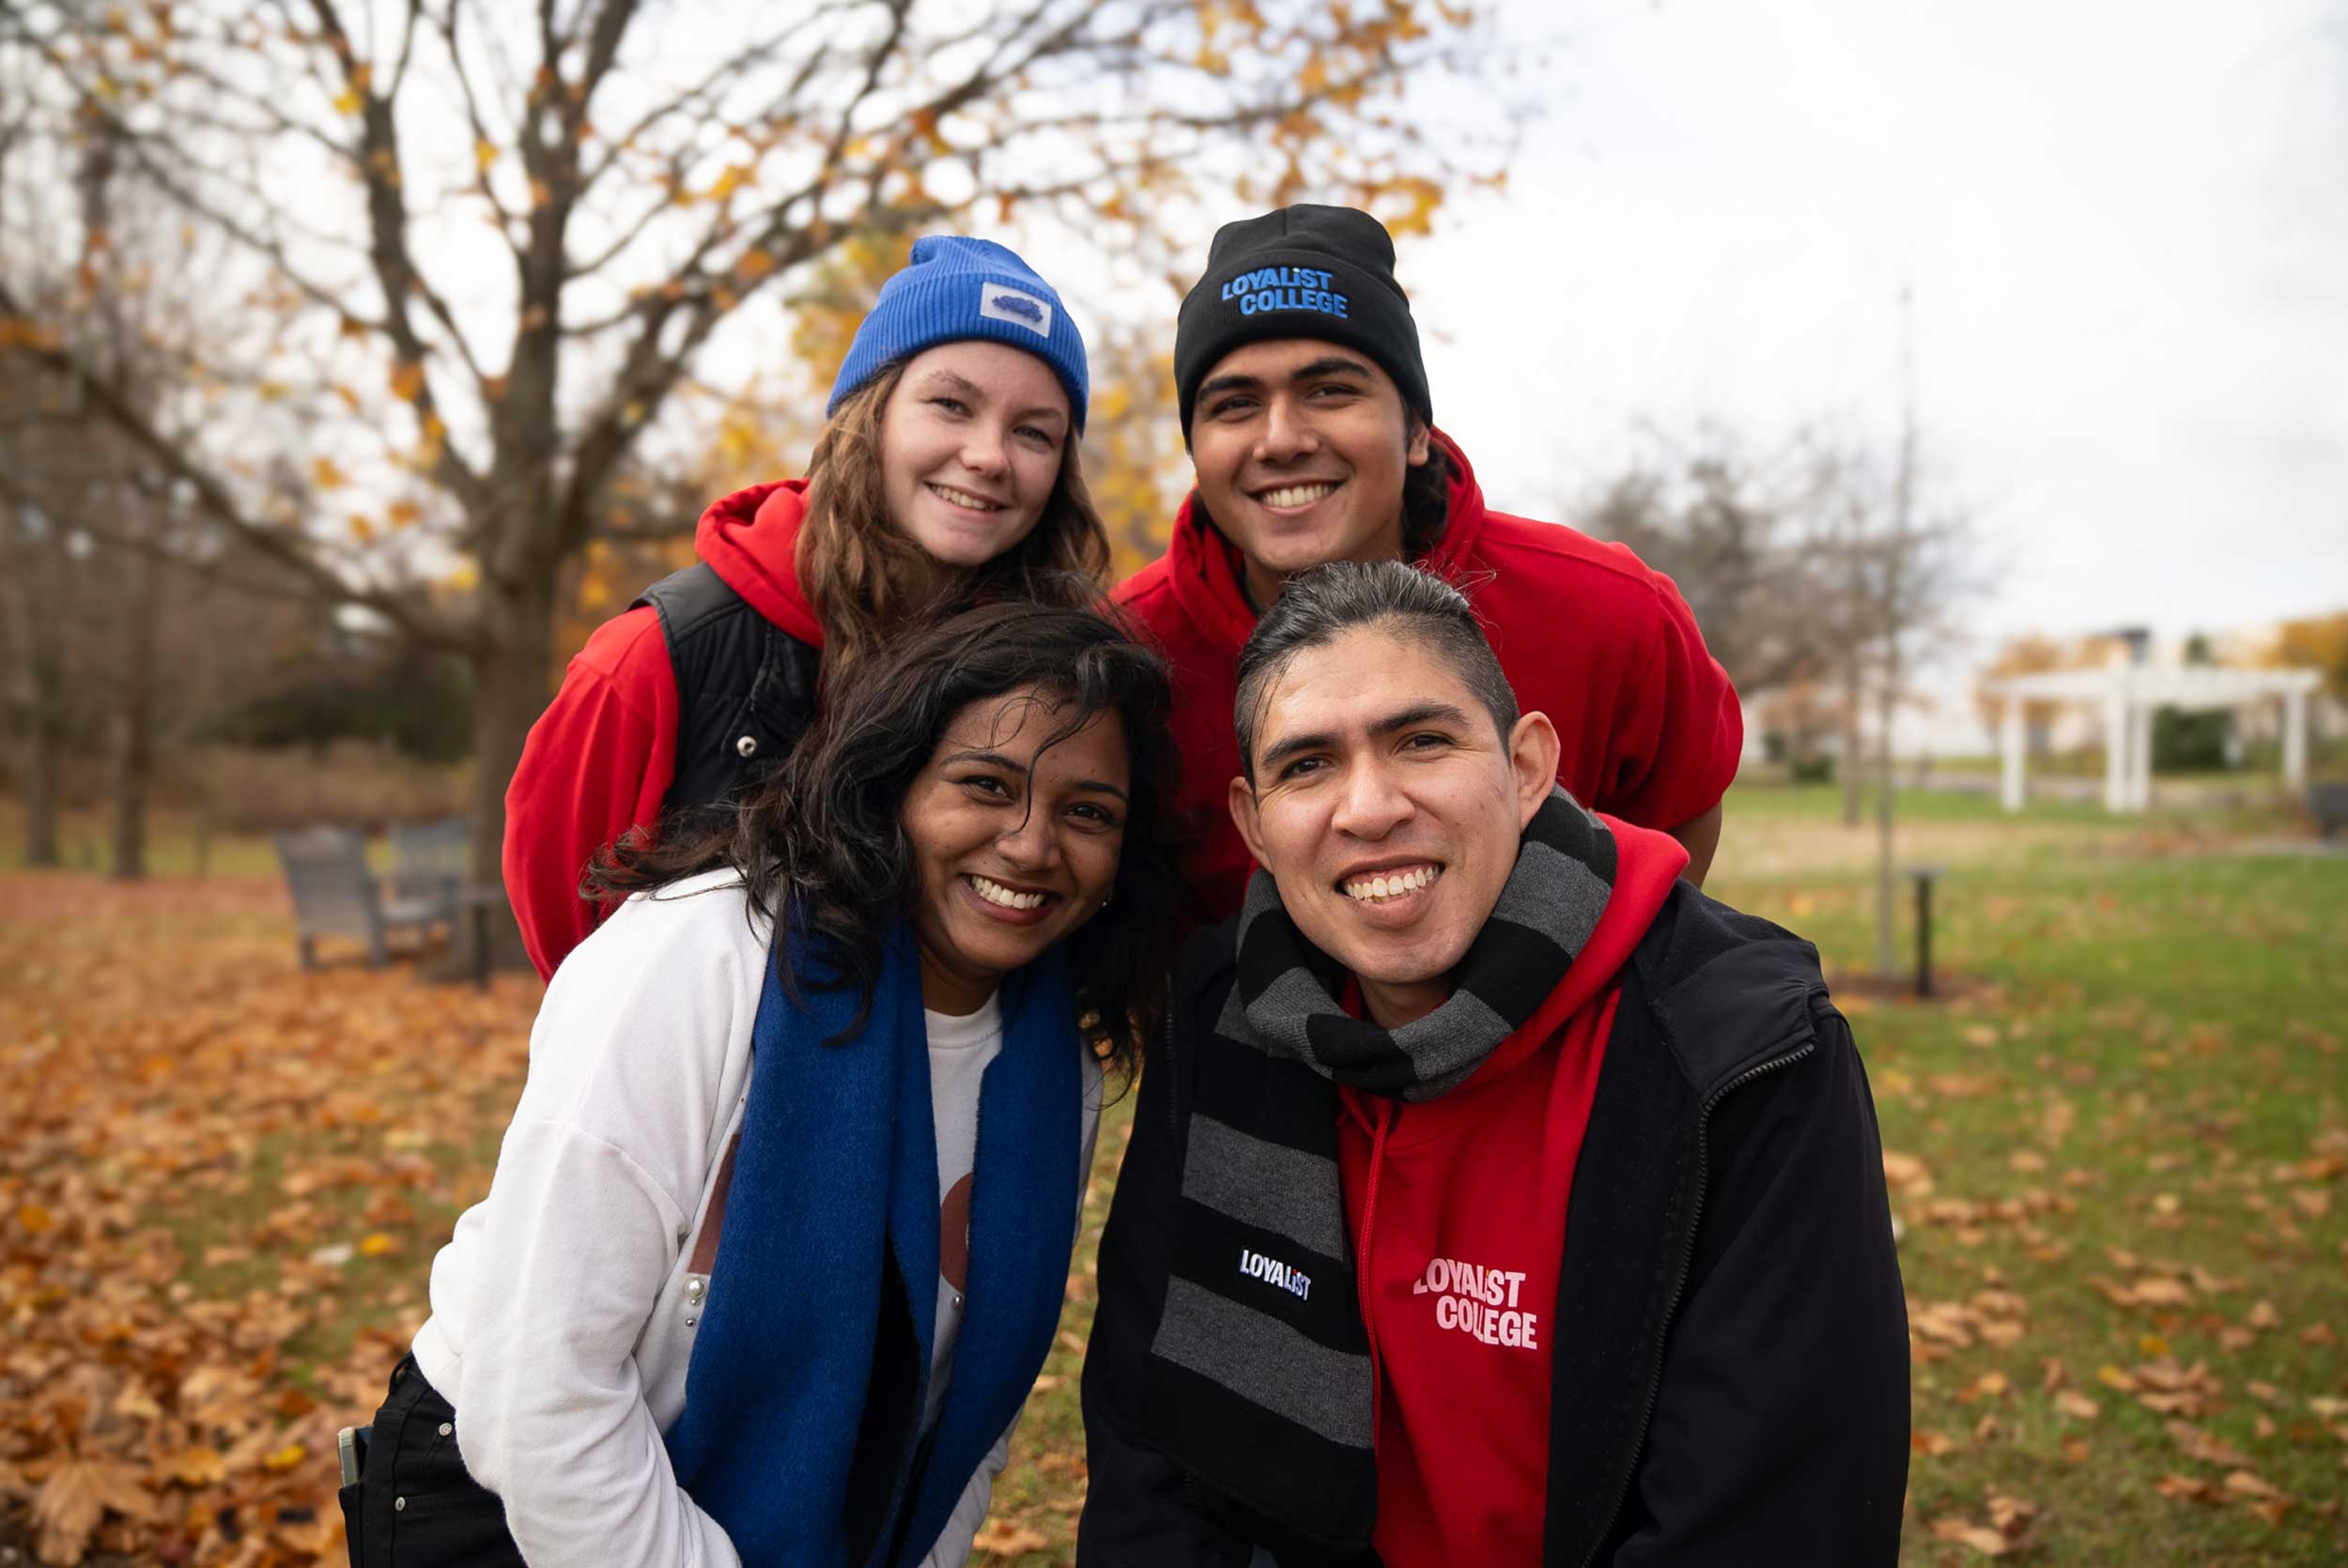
[(1499, 1198)]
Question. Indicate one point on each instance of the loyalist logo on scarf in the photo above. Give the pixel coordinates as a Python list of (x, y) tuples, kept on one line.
[(1267, 1394)]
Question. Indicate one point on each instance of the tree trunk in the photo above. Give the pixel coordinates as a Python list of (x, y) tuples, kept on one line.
[(133, 752), (35, 616), (509, 693), (133, 761), (42, 745), (1854, 754), (1887, 958)]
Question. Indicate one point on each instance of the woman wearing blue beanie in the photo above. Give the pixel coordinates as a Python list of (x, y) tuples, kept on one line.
[(947, 474)]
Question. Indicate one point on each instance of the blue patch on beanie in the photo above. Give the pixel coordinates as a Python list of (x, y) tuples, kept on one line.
[(956, 288)]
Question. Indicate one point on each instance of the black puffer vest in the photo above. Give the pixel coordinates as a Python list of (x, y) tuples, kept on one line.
[(746, 688)]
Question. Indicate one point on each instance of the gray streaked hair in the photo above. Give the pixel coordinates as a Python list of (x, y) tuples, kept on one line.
[(1321, 604)]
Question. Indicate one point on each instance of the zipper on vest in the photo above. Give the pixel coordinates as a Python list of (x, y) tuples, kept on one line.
[(1173, 1116), (1679, 1281), (1360, 1263)]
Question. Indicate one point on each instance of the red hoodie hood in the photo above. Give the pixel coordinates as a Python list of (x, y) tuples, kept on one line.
[(751, 538), (1647, 863), (1203, 566)]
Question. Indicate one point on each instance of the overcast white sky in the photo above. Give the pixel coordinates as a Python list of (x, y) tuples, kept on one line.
[(2125, 224)]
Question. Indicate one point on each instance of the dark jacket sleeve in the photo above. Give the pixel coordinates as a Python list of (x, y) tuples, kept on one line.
[(1138, 1510), (1780, 1431)]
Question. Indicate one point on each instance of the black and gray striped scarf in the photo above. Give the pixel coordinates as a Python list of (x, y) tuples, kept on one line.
[(1259, 1371)]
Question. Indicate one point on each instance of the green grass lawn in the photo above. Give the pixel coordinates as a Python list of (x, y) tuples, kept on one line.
[(2137, 1081), (2119, 1140)]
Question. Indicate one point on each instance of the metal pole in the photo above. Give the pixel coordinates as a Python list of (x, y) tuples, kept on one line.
[(1924, 934)]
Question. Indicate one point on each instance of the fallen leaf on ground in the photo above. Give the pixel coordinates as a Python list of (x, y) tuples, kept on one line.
[(77, 1497), (193, 1466), (1006, 1539), (1989, 1385), (1905, 1173), (2206, 1447), (1980, 1538), (2011, 1515)]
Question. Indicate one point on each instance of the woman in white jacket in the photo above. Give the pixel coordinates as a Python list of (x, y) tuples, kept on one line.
[(778, 1237)]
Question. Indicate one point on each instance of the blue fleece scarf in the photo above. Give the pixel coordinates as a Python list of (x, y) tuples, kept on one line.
[(836, 1176)]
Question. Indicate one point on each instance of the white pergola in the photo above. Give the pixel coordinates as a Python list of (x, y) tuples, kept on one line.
[(2128, 694)]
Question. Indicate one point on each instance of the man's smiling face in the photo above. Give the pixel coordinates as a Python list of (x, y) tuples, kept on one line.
[(1388, 807), (1301, 447)]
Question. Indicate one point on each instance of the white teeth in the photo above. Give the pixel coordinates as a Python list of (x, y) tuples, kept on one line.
[(996, 892), (965, 498), (1297, 495), (1372, 889)]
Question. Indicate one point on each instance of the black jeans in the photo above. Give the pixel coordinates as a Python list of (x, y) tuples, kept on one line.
[(413, 1505)]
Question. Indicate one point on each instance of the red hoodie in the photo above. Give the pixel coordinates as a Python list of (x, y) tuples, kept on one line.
[(600, 759), (1586, 632), (1458, 1210)]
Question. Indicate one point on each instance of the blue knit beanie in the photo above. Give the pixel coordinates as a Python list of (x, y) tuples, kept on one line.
[(957, 288)]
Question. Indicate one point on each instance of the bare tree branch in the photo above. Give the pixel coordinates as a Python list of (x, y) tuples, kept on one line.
[(292, 551)]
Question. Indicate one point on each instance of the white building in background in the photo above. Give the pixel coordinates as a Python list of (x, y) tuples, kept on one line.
[(2127, 696), (1952, 712)]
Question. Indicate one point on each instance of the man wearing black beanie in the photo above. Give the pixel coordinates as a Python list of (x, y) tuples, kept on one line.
[(1311, 430)]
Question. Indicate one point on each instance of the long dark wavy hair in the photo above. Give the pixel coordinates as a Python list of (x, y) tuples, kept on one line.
[(821, 844)]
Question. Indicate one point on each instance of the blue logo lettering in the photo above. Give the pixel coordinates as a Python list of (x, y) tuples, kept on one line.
[(1018, 305), (1287, 288)]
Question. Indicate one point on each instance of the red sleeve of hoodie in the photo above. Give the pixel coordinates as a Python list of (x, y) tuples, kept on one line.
[(1678, 743), (598, 762)]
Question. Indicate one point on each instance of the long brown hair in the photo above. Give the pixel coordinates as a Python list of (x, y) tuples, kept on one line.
[(866, 579)]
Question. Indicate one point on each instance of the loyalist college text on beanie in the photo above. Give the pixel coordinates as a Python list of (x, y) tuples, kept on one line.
[(1300, 272), (956, 288)]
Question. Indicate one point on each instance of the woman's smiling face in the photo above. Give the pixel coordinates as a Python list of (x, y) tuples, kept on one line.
[(971, 449), (1015, 836)]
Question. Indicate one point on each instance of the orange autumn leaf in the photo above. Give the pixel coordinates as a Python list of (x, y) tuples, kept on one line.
[(193, 1466), (1005, 1539), (78, 1494)]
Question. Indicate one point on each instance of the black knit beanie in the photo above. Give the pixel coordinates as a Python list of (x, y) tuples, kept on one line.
[(1300, 272)]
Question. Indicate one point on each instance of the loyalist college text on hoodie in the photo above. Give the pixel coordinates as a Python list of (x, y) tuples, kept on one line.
[(620, 744), (1586, 634)]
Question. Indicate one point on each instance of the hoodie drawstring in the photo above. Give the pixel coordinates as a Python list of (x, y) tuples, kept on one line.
[(1360, 1266)]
